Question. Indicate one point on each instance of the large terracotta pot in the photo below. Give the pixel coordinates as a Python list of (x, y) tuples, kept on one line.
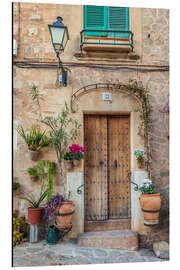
[(33, 155), (64, 215), (150, 205), (34, 215)]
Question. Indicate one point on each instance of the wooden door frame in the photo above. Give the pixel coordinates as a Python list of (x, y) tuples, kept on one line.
[(108, 224)]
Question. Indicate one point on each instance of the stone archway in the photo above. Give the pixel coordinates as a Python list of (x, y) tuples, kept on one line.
[(92, 103)]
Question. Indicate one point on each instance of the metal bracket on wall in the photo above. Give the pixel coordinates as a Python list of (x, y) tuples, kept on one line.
[(136, 188)]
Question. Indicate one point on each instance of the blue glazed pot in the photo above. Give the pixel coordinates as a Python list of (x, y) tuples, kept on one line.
[(52, 235)]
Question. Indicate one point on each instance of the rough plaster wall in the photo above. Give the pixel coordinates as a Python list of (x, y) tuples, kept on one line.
[(155, 50), (34, 43), (155, 36)]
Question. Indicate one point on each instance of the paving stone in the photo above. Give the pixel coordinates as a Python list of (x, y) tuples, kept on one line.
[(19, 252), (99, 252), (72, 254)]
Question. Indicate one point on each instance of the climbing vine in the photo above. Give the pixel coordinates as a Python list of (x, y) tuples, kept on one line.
[(136, 89), (133, 88)]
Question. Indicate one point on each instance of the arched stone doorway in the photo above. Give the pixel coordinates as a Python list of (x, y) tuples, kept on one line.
[(90, 105)]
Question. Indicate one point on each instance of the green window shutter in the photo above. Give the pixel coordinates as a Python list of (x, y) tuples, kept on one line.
[(95, 17), (118, 19)]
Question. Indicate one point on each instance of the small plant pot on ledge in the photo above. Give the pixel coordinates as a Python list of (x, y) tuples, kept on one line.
[(34, 178), (141, 165), (150, 206), (68, 164), (76, 162), (34, 155)]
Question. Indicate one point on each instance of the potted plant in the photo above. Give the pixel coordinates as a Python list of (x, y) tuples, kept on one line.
[(139, 154), (68, 160), (77, 153), (35, 140), (150, 203), (33, 172), (34, 209), (61, 210), (16, 188), (63, 129)]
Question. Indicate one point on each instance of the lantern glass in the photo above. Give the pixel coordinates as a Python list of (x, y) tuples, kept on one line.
[(65, 39), (57, 34)]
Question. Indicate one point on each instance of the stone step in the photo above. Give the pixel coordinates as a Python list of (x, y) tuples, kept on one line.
[(116, 239)]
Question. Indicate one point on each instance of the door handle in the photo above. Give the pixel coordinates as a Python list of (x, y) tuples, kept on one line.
[(101, 163), (115, 163)]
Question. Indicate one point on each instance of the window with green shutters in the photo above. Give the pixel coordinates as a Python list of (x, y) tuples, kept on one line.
[(106, 18)]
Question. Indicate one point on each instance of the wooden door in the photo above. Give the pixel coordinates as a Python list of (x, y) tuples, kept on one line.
[(106, 164)]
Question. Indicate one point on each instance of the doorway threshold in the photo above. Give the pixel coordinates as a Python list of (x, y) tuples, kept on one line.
[(106, 225)]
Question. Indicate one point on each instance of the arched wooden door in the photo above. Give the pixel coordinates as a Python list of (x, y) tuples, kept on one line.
[(106, 166)]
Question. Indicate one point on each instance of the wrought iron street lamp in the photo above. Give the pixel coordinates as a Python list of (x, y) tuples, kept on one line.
[(59, 37)]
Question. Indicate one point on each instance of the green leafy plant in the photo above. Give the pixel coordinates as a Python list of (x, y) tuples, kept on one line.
[(63, 130), (16, 185), (33, 202), (20, 230), (50, 179), (147, 187), (36, 96), (139, 154), (33, 171), (67, 156), (35, 139), (39, 171), (69, 195)]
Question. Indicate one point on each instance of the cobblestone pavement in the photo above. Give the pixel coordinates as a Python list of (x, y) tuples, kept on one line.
[(69, 253)]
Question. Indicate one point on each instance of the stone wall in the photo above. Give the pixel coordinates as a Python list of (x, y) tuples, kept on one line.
[(34, 45)]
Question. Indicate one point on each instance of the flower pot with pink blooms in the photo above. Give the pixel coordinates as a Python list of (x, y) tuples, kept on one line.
[(76, 153)]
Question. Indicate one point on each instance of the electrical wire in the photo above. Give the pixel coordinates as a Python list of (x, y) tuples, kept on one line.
[(133, 68)]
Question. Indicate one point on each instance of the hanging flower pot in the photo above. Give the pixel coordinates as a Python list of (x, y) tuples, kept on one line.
[(141, 165), (16, 189), (64, 215), (35, 215), (34, 155), (76, 162), (68, 164), (150, 205)]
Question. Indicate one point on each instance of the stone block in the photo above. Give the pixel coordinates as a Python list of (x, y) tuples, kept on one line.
[(161, 249), (116, 239)]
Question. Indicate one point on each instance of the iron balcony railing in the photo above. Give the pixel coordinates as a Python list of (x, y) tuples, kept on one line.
[(106, 37)]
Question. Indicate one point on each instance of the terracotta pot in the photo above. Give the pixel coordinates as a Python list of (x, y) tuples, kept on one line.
[(34, 178), (34, 215), (16, 191), (150, 205), (76, 162), (141, 165), (64, 215), (68, 164), (33, 155)]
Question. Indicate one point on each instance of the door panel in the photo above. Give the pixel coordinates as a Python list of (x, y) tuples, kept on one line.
[(106, 164), (119, 157), (95, 143)]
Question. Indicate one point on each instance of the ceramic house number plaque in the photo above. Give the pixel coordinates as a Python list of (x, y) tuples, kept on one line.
[(106, 96)]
